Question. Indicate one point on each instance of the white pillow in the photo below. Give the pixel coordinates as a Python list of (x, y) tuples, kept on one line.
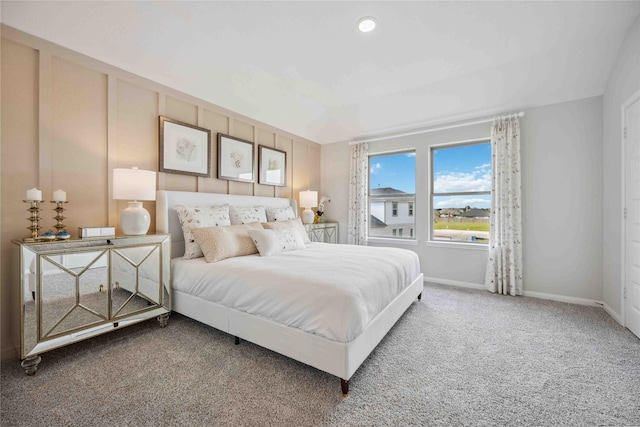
[(197, 217), (247, 215), (280, 214), (271, 242), (295, 224)]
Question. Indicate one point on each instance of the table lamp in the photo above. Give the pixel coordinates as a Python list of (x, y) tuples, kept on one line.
[(308, 200), (134, 184)]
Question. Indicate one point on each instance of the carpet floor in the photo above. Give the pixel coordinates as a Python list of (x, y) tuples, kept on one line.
[(458, 357)]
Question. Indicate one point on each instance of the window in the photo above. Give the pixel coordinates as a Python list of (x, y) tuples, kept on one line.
[(392, 180), (461, 192)]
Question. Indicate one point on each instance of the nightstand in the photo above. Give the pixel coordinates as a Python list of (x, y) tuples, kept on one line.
[(326, 232), (72, 290)]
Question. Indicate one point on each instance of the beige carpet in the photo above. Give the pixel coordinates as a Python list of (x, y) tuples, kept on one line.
[(458, 357)]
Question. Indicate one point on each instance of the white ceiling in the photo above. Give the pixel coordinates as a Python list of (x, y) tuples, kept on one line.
[(303, 66)]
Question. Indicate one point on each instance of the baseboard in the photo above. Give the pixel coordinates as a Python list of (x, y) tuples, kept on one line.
[(454, 283), (540, 295), (617, 317), (563, 298)]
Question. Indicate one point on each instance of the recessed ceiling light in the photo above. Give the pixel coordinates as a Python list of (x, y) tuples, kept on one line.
[(367, 24)]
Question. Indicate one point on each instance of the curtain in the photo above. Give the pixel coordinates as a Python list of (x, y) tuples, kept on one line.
[(358, 192), (504, 267)]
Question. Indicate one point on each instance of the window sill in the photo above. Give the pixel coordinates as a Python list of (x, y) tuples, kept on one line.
[(392, 241), (458, 245)]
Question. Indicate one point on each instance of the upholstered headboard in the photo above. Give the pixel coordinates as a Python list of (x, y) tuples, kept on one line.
[(167, 218)]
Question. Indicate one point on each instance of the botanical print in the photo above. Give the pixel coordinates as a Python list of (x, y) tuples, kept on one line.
[(236, 159), (504, 267), (185, 150)]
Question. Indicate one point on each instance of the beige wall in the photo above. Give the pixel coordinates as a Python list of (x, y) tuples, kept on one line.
[(69, 120)]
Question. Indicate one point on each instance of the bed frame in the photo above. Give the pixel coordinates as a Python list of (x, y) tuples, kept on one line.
[(336, 358)]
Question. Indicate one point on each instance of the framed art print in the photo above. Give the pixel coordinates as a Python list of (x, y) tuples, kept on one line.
[(272, 166), (235, 159), (184, 148)]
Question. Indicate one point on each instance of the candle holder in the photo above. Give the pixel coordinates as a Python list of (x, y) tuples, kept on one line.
[(34, 219), (59, 218)]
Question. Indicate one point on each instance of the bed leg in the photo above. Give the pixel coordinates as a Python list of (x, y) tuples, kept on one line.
[(237, 340), (420, 296), (344, 384)]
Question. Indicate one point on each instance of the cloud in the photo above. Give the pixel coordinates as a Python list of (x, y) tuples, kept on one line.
[(457, 182), (412, 154), (375, 168), (461, 202)]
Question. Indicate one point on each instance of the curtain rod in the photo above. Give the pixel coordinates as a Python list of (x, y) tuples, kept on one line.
[(416, 132)]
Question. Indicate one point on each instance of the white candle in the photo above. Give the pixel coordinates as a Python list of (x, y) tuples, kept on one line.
[(34, 195), (59, 196)]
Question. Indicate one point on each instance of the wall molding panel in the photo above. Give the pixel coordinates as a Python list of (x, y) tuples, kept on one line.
[(89, 118)]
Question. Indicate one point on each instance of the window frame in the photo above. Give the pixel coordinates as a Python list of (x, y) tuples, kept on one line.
[(432, 194), (394, 237)]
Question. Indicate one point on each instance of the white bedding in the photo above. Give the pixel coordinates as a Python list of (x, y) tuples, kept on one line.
[(330, 290)]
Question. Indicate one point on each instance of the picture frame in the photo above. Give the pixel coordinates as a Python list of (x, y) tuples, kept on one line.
[(184, 148), (235, 159), (272, 166)]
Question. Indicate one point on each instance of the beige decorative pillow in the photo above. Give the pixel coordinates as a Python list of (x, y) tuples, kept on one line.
[(247, 215), (191, 217), (218, 243), (295, 224), (271, 242)]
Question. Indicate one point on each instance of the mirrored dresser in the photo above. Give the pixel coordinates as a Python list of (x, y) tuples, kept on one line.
[(326, 232), (76, 289)]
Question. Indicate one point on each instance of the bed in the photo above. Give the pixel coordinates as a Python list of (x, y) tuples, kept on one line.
[(292, 302)]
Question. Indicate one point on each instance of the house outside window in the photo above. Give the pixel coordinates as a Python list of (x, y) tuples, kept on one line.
[(392, 180), (461, 192)]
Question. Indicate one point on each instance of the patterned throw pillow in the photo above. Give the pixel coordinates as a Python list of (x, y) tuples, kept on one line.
[(220, 243), (280, 214), (197, 217), (246, 215), (271, 242), (295, 224)]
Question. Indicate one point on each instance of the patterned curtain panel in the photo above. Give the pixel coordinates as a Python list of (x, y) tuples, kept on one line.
[(504, 268), (358, 192)]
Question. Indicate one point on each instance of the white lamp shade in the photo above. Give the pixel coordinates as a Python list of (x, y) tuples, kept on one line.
[(308, 199), (134, 184)]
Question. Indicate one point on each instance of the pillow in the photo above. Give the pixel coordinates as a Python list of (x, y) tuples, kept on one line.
[(279, 214), (295, 224), (246, 215), (197, 217), (271, 242), (220, 243)]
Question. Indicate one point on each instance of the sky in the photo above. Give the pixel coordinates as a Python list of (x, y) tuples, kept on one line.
[(456, 169)]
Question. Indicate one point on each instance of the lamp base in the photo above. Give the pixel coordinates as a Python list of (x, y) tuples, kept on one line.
[(307, 216), (135, 220)]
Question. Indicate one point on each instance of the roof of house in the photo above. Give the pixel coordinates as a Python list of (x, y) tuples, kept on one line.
[(375, 222), (385, 191)]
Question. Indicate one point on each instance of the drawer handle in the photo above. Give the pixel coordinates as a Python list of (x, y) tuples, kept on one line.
[(102, 289)]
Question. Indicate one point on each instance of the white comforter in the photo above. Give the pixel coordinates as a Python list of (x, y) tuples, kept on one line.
[(326, 289)]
